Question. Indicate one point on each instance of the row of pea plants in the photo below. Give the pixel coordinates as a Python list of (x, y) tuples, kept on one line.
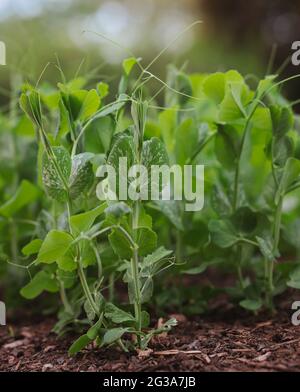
[(245, 133)]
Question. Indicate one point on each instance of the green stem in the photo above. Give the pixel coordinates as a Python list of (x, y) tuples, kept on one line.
[(64, 298), (111, 287), (178, 246), (86, 288), (276, 237), (135, 272), (270, 269), (240, 275)]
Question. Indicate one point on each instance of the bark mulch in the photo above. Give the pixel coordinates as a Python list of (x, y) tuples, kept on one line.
[(227, 340)]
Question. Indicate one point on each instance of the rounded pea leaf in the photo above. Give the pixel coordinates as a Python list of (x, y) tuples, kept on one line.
[(54, 184), (83, 222), (282, 120), (79, 344), (42, 281), (33, 247), (283, 149), (25, 194), (81, 176), (214, 87), (55, 245), (146, 240), (113, 334), (117, 315), (251, 304), (227, 145), (120, 244), (90, 105), (222, 233), (66, 262)]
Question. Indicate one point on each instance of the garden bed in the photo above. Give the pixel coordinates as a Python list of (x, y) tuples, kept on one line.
[(226, 340)]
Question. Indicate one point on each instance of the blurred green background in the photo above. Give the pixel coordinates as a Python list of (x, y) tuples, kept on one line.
[(234, 34)]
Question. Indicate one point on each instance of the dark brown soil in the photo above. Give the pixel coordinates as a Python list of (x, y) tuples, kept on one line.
[(224, 341)]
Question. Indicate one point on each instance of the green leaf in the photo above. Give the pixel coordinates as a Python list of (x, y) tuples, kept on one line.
[(290, 174), (32, 248), (68, 279), (294, 280), (98, 135), (214, 87), (128, 64), (265, 84), (146, 240), (122, 148), (237, 96), (266, 248), (65, 125), (73, 100), (186, 141), (220, 201), (145, 319), (54, 246), (25, 194), (145, 220), (42, 281), (168, 124), (90, 105), (227, 146), (30, 103), (24, 127), (103, 89), (79, 344), (154, 153), (117, 315), (178, 81), (87, 253), (55, 186), (120, 244), (282, 120), (222, 233), (159, 254), (295, 284), (112, 107), (283, 149), (147, 290), (89, 310), (81, 176), (81, 223), (114, 334), (251, 304), (93, 332), (66, 262)]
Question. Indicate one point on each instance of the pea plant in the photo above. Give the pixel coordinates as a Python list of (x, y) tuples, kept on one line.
[(75, 242)]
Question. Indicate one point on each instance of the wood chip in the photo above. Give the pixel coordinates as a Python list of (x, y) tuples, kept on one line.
[(16, 343), (264, 357), (47, 366), (144, 353)]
